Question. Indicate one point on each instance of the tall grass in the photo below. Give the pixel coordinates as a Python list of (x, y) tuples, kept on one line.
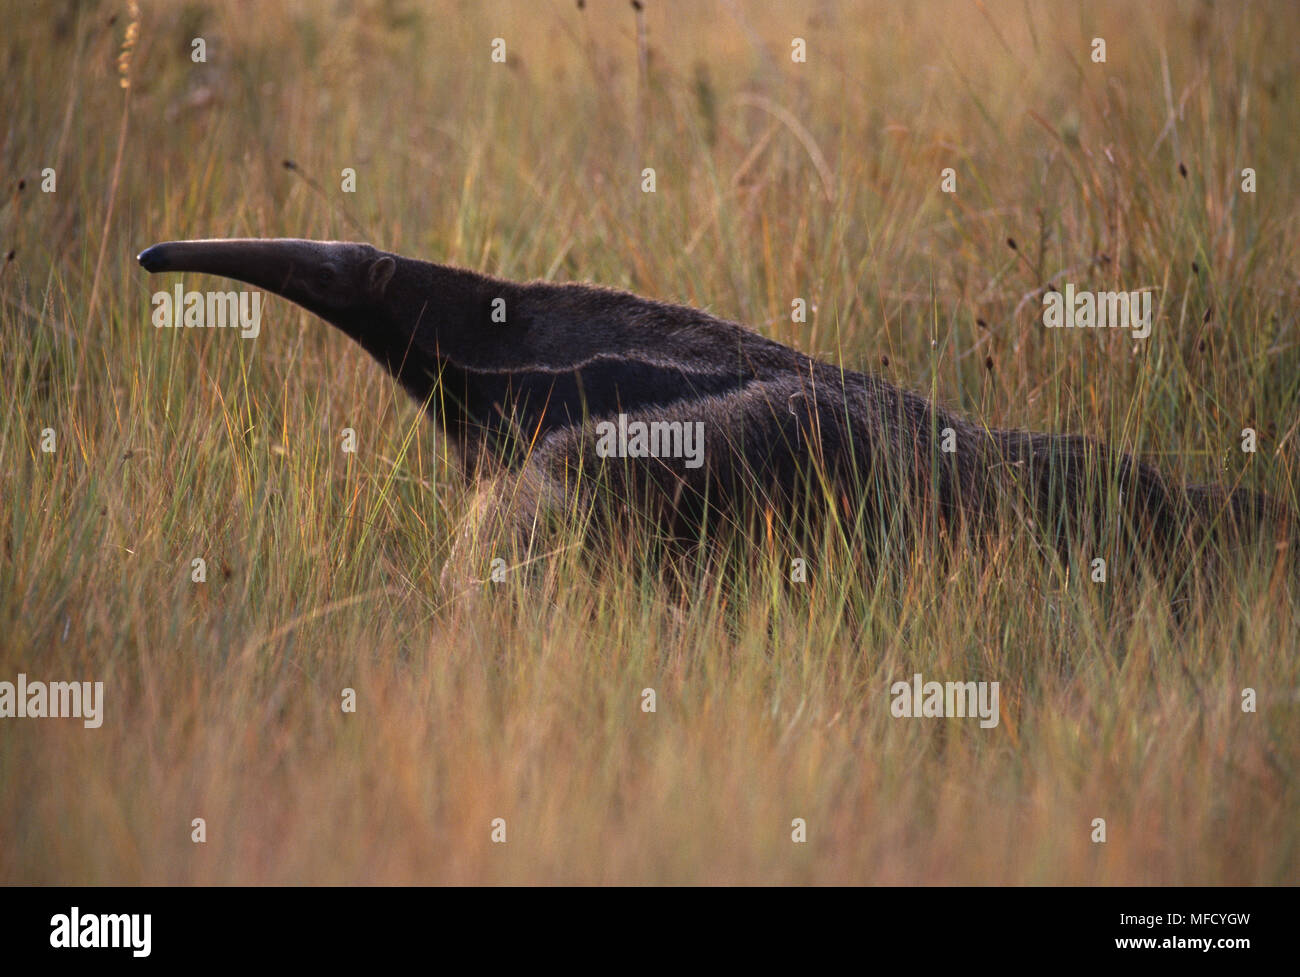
[(775, 180)]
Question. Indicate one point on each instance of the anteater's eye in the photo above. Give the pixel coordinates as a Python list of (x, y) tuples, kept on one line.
[(326, 275)]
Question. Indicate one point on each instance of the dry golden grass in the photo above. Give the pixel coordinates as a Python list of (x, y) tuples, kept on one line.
[(775, 180)]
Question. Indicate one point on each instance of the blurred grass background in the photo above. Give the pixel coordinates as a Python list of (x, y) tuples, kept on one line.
[(775, 180)]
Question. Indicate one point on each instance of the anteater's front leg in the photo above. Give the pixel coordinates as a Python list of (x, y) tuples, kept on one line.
[(513, 522), (490, 541)]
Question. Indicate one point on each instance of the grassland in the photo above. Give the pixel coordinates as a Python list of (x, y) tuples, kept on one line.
[(775, 180)]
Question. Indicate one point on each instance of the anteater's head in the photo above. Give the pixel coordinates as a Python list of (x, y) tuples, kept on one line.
[(339, 281)]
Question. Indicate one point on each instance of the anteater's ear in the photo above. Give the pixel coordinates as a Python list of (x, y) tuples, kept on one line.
[(381, 271)]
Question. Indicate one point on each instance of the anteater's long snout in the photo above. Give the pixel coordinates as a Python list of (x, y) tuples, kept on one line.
[(155, 259), (268, 263), (220, 256)]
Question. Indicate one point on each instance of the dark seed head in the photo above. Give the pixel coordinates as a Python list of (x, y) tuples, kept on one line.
[(1196, 269), (1011, 243), (10, 256), (981, 323), (289, 164), (1182, 171), (636, 5), (22, 184), (884, 361), (988, 363)]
